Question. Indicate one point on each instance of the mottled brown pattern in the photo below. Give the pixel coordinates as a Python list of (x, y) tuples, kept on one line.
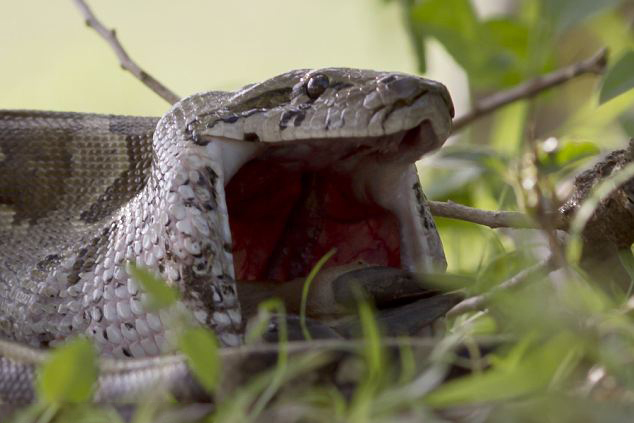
[(613, 219), (55, 166), (34, 174), (611, 227), (139, 153)]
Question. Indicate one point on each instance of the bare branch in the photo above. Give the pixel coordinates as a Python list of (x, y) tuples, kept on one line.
[(594, 65), (490, 218), (479, 302), (124, 60)]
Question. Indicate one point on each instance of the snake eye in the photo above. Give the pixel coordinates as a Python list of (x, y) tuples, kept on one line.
[(316, 85)]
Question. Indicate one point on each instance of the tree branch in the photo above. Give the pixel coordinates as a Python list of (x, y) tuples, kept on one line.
[(124, 60), (479, 302), (594, 65), (492, 219)]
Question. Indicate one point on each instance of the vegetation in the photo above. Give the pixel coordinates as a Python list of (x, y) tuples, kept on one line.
[(555, 346)]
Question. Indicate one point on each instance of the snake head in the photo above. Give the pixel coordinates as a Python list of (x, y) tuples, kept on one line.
[(282, 172), (332, 103), (316, 159)]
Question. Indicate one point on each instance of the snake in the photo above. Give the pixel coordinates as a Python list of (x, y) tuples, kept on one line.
[(256, 184)]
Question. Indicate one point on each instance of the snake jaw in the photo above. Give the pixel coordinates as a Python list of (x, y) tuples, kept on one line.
[(290, 204), (315, 159)]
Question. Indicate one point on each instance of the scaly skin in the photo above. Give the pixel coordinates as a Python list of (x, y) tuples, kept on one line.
[(83, 194)]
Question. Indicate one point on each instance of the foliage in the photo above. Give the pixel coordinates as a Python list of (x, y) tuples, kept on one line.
[(619, 79), (552, 136), (201, 348), (69, 374), (160, 294), (309, 280)]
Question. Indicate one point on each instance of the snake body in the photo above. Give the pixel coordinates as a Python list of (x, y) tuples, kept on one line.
[(81, 195)]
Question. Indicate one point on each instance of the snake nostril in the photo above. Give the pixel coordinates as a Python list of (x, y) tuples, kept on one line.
[(403, 87)]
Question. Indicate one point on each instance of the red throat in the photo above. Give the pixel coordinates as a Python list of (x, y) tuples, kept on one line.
[(283, 221)]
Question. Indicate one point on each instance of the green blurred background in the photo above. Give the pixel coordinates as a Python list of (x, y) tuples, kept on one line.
[(51, 60)]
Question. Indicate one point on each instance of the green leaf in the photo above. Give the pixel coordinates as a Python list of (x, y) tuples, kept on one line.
[(373, 349), (627, 123), (492, 53), (574, 151), (259, 324), (416, 35), (508, 131), (510, 34), (309, 280), (508, 53), (201, 349), (567, 155), (268, 308), (70, 373), (499, 268), (522, 373), (452, 22), (564, 14), (161, 295), (619, 78), (627, 261), (455, 177)]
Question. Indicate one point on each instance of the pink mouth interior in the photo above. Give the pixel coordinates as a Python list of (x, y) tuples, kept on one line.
[(283, 221)]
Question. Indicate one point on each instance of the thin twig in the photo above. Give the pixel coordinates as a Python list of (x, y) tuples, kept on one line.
[(548, 221), (479, 302), (594, 65), (490, 218), (124, 60)]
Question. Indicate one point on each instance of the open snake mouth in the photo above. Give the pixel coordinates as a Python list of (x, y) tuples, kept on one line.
[(282, 221), (290, 204)]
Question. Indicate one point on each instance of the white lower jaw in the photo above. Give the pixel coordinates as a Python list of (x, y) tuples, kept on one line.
[(233, 154), (393, 186)]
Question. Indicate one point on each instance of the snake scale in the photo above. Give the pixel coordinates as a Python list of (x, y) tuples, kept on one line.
[(250, 185)]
